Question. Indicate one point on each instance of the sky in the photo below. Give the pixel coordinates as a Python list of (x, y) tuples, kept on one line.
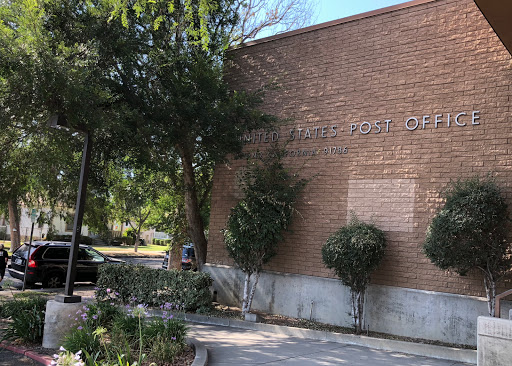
[(328, 10), (335, 9)]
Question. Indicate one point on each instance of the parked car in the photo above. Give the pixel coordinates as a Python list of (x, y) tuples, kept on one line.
[(188, 258), (48, 263)]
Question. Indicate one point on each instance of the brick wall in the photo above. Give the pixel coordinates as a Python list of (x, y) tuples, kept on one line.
[(435, 58)]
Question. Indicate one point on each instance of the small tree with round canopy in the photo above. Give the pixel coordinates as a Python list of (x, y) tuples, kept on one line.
[(354, 252), (469, 232)]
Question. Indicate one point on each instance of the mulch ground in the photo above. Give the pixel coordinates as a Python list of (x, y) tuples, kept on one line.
[(223, 311)]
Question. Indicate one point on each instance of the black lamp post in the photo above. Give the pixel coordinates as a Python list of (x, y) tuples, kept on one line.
[(60, 122)]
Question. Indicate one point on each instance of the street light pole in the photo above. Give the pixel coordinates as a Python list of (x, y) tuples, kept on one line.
[(77, 225), (68, 297)]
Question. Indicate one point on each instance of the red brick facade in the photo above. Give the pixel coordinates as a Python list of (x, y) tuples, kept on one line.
[(436, 59)]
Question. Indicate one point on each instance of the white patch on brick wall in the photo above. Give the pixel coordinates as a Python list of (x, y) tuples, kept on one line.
[(389, 203)]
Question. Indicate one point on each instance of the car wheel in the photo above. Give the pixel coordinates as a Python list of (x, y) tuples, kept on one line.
[(53, 280)]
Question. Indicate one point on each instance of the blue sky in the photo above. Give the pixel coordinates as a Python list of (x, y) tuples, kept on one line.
[(328, 10), (336, 9)]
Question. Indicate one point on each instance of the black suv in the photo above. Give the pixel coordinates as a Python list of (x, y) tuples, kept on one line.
[(48, 263)]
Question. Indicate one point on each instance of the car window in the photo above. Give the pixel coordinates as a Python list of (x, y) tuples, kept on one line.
[(22, 251), (90, 255), (56, 253), (188, 253)]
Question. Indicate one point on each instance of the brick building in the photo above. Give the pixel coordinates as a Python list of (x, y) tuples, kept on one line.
[(384, 109)]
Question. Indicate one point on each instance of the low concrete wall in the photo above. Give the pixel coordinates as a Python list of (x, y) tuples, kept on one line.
[(58, 320), (494, 341), (406, 312)]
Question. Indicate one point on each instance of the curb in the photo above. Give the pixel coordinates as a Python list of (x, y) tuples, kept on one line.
[(201, 358), (42, 359), (418, 349)]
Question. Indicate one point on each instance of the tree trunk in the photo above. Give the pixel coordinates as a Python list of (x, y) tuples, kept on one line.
[(253, 290), (490, 291), (357, 309), (136, 244), (174, 259), (249, 290), (142, 220), (14, 224), (245, 300), (192, 211)]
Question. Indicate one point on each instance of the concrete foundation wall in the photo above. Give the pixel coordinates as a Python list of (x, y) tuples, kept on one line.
[(494, 342), (406, 312)]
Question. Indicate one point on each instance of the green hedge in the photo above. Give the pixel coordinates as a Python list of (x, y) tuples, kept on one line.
[(162, 242), (126, 240), (128, 283)]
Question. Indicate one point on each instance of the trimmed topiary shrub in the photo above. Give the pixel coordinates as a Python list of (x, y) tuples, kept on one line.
[(354, 252), (470, 233), (127, 283)]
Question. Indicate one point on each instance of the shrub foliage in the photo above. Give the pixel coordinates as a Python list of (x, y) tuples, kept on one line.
[(470, 232), (256, 224), (354, 252), (154, 286), (27, 312)]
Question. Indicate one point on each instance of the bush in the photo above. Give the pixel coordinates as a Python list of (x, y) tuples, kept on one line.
[(470, 232), (27, 313), (127, 240), (123, 335), (354, 252), (125, 283), (256, 225), (162, 242)]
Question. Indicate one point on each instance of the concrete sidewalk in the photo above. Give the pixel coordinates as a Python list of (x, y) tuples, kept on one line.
[(232, 346)]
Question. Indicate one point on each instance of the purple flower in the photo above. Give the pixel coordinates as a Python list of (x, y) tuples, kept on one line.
[(80, 327), (108, 290), (95, 317)]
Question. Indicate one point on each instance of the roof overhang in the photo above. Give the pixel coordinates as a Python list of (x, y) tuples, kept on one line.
[(499, 15)]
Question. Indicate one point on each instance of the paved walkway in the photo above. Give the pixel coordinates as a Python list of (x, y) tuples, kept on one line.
[(238, 347), (8, 358)]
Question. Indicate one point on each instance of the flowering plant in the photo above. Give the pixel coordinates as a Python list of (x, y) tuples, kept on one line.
[(67, 358)]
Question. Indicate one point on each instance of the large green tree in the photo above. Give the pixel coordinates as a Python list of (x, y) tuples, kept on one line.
[(145, 78), (55, 60), (175, 80)]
